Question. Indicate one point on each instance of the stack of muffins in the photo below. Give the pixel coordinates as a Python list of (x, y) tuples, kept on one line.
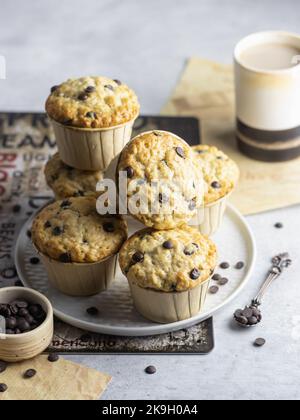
[(168, 264)]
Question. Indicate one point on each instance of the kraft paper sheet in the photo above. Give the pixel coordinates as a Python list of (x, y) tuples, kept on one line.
[(62, 380), (206, 91)]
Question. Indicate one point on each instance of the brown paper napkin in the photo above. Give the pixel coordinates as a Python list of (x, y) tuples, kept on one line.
[(206, 90), (62, 380)]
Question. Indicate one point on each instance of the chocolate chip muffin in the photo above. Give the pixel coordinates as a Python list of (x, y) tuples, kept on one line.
[(92, 102), (70, 182), (161, 168), (71, 231), (220, 173), (168, 260)]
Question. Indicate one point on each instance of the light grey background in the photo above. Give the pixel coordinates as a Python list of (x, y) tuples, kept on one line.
[(146, 44)]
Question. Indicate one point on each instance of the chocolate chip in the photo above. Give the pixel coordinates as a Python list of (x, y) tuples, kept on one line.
[(259, 342), (240, 265), (47, 225), (150, 370), (92, 311), (118, 82), (180, 152), (217, 277), (190, 249), (65, 257), (223, 281), (91, 114), (168, 245), (110, 87), (130, 171), (30, 373), (17, 208), (34, 260), (216, 185), (162, 198), (109, 227), (195, 274), (83, 96), (90, 89), (279, 225), (3, 366), (138, 257), (57, 231), (54, 88), (65, 204), (213, 290), (224, 265), (3, 387), (53, 357)]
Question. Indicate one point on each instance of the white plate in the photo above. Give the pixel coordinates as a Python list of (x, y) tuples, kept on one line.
[(117, 315)]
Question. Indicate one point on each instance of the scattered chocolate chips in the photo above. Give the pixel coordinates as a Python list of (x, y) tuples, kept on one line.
[(17, 208), (138, 257), (278, 225), (216, 185), (110, 87), (168, 245), (259, 342), (83, 96), (65, 258), (91, 114), (90, 89), (224, 265), (195, 274), (130, 171), (92, 311), (3, 387), (34, 260), (109, 227), (223, 281), (213, 290), (3, 366), (57, 231), (47, 225), (217, 277), (53, 357), (30, 373), (150, 370), (180, 152), (54, 88), (118, 82), (240, 265), (190, 249)]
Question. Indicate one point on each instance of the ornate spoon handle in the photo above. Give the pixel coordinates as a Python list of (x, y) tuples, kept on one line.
[(280, 262)]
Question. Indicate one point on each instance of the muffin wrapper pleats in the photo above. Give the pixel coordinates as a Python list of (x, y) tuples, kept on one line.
[(167, 307), (80, 279), (91, 150), (209, 218)]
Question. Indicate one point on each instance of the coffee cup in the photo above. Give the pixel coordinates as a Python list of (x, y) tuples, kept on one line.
[(267, 86)]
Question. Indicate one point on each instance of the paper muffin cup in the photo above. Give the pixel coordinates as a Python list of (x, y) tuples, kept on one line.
[(209, 218), (91, 149), (80, 279), (167, 307)]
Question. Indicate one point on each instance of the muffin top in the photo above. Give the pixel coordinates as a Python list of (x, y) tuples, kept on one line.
[(220, 173), (72, 231), (168, 260), (92, 102), (69, 182), (162, 170)]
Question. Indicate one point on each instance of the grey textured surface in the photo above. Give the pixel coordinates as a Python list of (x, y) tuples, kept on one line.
[(146, 44)]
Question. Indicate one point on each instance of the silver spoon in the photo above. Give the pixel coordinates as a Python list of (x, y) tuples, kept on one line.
[(251, 315)]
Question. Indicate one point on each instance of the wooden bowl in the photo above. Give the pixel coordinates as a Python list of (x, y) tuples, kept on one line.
[(15, 348)]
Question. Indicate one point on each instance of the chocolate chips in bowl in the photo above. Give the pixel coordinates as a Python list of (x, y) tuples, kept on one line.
[(26, 323)]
